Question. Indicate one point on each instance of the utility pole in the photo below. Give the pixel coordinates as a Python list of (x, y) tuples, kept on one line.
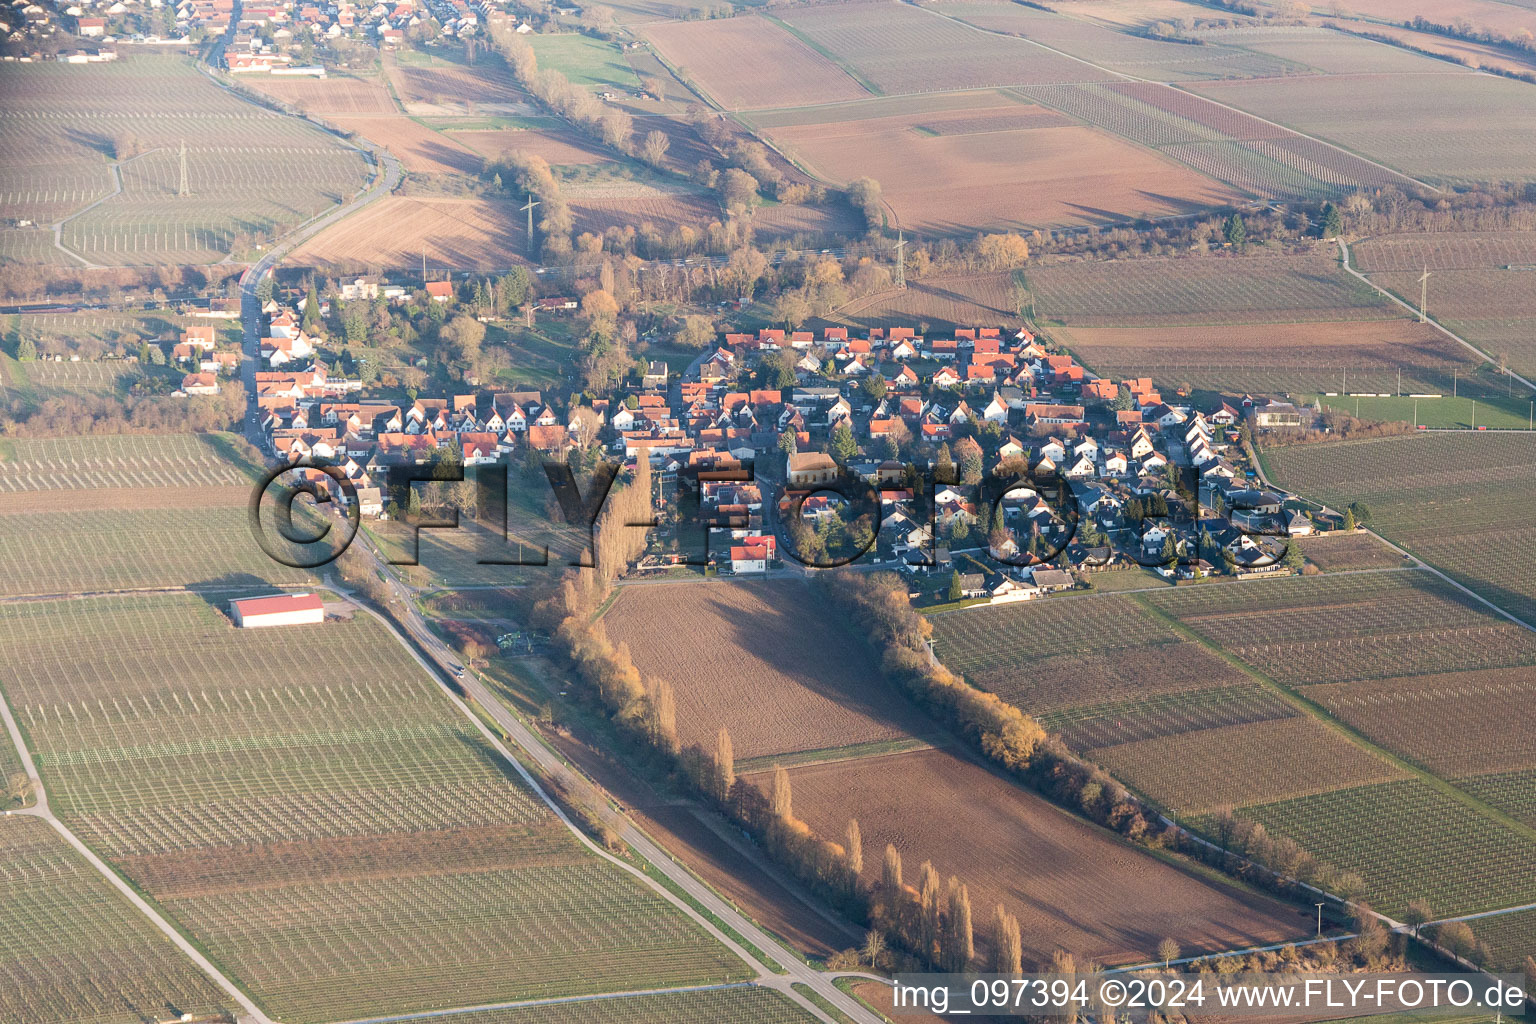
[(1319, 920), (1415, 414), (1454, 375), (183, 189), (1424, 295), (1474, 414), (901, 260), (529, 205), (423, 268), (1399, 382)]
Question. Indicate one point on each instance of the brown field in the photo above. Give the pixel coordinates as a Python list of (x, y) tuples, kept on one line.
[(832, 219), (557, 145), (952, 184), (418, 147), (762, 659), (666, 210), (1253, 763), (469, 234), (334, 95), (487, 82), (1135, 13), (1280, 357), (1337, 552), (750, 62), (970, 300), (1461, 723), (1072, 885)]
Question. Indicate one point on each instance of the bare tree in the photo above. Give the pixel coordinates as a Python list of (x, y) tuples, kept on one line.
[(1007, 947), (725, 765), (1167, 951), (890, 874), (854, 845), (781, 800)]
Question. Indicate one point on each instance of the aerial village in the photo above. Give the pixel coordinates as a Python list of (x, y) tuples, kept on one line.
[(1004, 470)]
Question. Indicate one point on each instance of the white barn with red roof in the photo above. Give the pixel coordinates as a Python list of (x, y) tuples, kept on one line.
[(277, 610)]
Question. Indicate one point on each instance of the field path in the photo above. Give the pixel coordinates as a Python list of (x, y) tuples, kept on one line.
[(40, 810), (444, 665), (1185, 92), (1344, 261)]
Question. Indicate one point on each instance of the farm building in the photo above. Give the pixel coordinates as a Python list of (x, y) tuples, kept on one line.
[(277, 610)]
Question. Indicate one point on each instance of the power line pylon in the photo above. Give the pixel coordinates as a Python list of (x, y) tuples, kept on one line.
[(1424, 296), (901, 261), (529, 205)]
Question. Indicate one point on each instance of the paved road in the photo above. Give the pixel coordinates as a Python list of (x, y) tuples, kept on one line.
[(40, 810), (447, 664)]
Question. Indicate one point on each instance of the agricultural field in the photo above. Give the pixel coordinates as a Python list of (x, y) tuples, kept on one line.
[(1256, 157), (968, 300), (1048, 655), (59, 547), (748, 62), (1332, 53), (463, 234), (417, 872), (1467, 127), (1460, 501), (1456, 724), (585, 61), (1495, 14), (249, 169), (1300, 358), (1071, 885), (743, 1004), (1482, 285), (323, 97), (1510, 938), (912, 50), (1121, 51), (626, 204), (1410, 841), (959, 173), (460, 557), (129, 511), (1202, 291), (1347, 552), (440, 86), (753, 657), (419, 149), (35, 382), (558, 145), (126, 460), (73, 950), (1257, 764), (1339, 628)]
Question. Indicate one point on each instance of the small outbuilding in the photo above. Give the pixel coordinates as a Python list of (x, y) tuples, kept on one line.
[(277, 610)]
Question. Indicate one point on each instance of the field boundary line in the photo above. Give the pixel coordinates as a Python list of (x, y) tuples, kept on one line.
[(41, 810), (1309, 707), (551, 1001), (1344, 261)]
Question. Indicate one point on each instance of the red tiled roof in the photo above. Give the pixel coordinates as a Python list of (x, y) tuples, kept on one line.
[(278, 603)]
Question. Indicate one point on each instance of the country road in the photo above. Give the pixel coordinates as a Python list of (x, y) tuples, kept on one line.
[(446, 665)]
